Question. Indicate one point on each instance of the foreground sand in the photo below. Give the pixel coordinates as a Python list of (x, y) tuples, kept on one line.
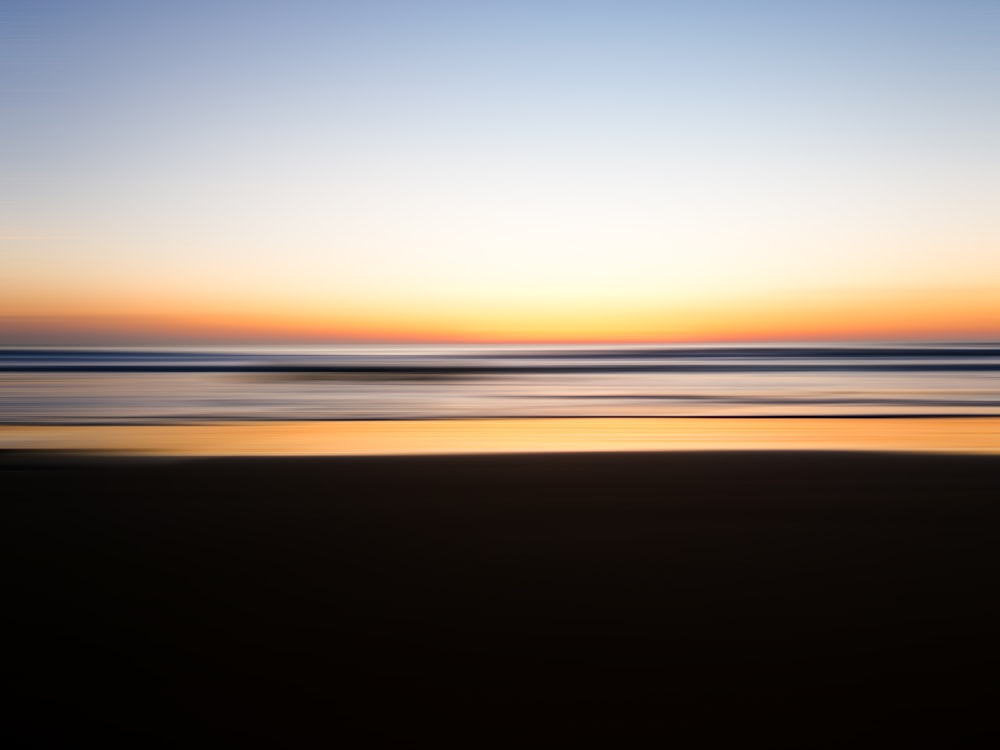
[(305, 602)]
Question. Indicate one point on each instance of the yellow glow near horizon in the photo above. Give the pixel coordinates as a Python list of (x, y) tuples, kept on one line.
[(601, 260), (874, 314)]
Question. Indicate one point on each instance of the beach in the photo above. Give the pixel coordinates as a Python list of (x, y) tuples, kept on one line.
[(303, 601), (500, 374)]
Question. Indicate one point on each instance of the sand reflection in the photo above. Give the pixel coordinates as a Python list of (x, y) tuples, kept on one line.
[(953, 435)]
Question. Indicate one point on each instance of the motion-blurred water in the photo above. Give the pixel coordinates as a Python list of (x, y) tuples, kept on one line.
[(368, 382)]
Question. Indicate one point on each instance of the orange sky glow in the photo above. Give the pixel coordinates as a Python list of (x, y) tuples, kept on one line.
[(877, 315), (595, 172)]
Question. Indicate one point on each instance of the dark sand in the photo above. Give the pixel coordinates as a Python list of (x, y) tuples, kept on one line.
[(806, 598)]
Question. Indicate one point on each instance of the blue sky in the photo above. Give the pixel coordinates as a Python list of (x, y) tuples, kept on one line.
[(641, 158)]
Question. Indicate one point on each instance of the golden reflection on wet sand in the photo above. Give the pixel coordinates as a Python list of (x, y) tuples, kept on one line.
[(952, 435)]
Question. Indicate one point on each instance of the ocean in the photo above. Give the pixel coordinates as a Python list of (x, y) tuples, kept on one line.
[(157, 386)]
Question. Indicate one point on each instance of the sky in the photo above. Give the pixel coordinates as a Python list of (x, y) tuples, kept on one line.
[(525, 170)]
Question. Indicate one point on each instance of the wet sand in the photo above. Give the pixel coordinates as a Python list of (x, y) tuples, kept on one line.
[(925, 433), (800, 597)]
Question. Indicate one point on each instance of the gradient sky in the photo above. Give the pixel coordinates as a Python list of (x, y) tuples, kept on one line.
[(517, 170)]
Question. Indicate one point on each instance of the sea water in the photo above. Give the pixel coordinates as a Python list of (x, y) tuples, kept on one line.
[(187, 385)]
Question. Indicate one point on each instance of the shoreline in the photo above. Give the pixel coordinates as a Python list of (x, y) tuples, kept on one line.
[(935, 434)]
